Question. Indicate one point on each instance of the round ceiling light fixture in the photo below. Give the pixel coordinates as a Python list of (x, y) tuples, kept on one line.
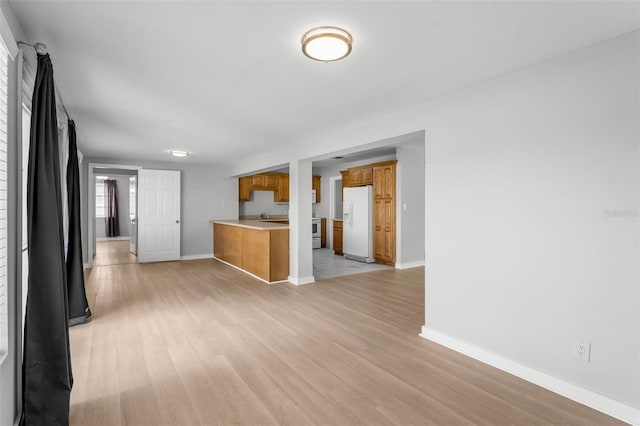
[(326, 44), (178, 153)]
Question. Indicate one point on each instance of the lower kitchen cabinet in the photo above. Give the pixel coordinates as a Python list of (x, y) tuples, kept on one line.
[(337, 237), (263, 253)]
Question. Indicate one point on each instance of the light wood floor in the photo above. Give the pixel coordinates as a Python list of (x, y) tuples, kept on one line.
[(113, 253), (197, 342)]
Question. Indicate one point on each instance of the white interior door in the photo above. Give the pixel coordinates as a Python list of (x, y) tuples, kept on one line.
[(158, 215)]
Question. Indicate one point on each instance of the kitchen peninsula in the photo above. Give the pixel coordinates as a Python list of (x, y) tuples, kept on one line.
[(257, 246)]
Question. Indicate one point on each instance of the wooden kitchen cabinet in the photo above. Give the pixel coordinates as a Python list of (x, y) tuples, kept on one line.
[(345, 181), (281, 194), (264, 182), (384, 212), (278, 183), (315, 184), (337, 237), (244, 190), (266, 253), (323, 232), (227, 244), (359, 176), (263, 253)]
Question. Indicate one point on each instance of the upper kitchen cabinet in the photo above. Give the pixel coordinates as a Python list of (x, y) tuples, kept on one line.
[(281, 194), (264, 182), (276, 182), (244, 190), (359, 176), (384, 185), (316, 185), (345, 181)]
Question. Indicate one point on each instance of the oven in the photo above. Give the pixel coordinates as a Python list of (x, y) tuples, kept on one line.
[(315, 232)]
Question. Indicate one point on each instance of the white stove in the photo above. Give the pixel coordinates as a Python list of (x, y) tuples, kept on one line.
[(315, 233)]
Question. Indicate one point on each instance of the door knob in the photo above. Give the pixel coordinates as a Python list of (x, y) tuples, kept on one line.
[(177, 221)]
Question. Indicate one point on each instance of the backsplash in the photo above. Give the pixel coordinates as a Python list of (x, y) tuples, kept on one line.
[(262, 202)]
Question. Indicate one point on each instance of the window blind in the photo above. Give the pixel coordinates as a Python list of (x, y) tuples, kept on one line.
[(4, 95), (100, 204)]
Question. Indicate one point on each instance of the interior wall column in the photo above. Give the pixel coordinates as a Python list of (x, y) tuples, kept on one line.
[(300, 248)]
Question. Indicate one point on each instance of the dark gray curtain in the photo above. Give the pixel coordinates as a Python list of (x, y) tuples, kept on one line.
[(46, 367), (79, 311), (111, 220)]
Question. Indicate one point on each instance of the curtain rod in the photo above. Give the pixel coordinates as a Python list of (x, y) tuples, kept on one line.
[(41, 49)]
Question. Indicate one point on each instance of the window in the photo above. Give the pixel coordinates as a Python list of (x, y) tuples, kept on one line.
[(132, 198), (4, 82), (100, 206)]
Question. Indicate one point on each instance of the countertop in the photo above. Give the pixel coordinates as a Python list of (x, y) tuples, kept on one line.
[(260, 224)]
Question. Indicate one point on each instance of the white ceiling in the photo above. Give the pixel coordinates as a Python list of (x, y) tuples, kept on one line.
[(227, 79)]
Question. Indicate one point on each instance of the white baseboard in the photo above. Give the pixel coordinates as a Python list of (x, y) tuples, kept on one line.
[(591, 399), (197, 256), (113, 239), (408, 265), (302, 280)]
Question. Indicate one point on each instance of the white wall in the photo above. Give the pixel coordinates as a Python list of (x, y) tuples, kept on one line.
[(410, 205), (532, 230), (207, 193), (122, 184), (523, 256)]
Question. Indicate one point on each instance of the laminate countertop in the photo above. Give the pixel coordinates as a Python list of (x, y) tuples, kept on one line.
[(259, 224)]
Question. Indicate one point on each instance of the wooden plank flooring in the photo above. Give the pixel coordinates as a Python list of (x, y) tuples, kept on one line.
[(197, 342), (114, 252)]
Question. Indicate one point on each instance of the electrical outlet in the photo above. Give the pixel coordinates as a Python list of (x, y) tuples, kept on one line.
[(582, 350)]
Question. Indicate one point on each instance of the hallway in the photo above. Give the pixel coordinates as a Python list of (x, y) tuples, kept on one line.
[(114, 252)]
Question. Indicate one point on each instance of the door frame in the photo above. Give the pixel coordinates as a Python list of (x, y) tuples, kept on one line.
[(91, 204), (332, 207)]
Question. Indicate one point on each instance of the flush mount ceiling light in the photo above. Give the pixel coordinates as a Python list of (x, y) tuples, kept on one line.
[(178, 153), (326, 44)]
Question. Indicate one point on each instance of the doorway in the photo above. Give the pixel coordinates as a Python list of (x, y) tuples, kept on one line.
[(115, 217), (329, 262), (113, 226)]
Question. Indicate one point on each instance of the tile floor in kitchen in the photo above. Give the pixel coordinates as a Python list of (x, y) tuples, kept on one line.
[(327, 265)]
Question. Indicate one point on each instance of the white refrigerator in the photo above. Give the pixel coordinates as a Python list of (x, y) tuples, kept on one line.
[(357, 224)]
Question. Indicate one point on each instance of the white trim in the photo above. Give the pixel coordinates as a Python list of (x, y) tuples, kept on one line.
[(332, 207), (197, 256), (7, 37), (113, 238), (86, 266), (247, 272), (408, 265), (583, 396), (301, 280)]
